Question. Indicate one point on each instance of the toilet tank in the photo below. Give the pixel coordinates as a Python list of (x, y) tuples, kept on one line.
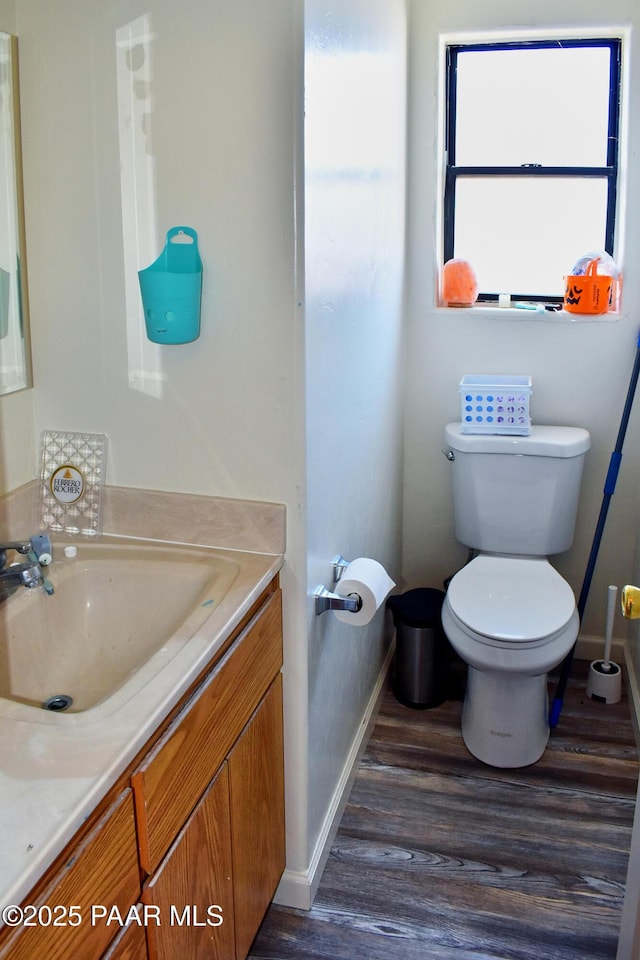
[(517, 495)]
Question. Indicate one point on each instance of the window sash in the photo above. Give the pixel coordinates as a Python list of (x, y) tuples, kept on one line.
[(608, 172)]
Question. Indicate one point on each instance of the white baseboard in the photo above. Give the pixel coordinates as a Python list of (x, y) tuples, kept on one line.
[(298, 888), (294, 890), (592, 648)]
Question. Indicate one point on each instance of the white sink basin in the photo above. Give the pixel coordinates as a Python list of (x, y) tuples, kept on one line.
[(118, 611)]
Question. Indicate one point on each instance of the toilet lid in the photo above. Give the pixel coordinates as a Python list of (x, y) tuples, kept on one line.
[(508, 598)]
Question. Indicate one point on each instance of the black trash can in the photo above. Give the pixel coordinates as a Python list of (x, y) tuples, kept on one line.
[(421, 663)]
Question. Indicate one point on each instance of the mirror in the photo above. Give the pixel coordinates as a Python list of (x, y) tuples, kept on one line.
[(15, 353)]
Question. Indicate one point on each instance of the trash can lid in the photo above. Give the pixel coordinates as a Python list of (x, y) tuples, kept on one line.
[(421, 607)]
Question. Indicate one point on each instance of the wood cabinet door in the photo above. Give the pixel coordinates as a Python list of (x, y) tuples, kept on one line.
[(193, 887), (256, 768), (102, 871), (130, 944)]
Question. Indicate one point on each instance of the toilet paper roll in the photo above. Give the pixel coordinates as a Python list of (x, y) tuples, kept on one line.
[(371, 582)]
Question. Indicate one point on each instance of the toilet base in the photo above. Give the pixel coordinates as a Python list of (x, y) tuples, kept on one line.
[(505, 717)]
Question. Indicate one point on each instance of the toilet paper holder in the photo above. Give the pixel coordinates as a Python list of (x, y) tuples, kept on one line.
[(325, 600)]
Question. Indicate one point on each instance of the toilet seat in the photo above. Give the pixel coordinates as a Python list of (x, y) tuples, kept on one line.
[(513, 600)]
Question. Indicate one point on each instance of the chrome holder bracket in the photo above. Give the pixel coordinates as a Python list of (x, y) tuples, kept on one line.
[(339, 567), (325, 600)]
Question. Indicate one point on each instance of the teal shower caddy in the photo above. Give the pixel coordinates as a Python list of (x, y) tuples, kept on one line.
[(171, 289)]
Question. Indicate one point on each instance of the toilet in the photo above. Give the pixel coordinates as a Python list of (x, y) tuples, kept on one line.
[(508, 613)]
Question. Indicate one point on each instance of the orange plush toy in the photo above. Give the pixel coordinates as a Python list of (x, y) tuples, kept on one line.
[(459, 284)]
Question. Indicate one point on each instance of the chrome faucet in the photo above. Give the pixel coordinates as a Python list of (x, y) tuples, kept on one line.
[(28, 573)]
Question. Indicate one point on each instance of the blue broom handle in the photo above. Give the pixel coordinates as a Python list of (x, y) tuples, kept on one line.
[(609, 488)]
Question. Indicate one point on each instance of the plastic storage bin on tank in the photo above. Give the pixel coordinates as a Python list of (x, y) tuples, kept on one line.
[(421, 665), (495, 404)]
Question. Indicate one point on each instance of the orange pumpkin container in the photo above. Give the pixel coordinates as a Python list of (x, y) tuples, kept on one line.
[(589, 292)]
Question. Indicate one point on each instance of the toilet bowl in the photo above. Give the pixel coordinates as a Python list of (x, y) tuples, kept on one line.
[(511, 619)]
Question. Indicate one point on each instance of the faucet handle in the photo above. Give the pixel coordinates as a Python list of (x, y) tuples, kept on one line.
[(39, 545), (20, 546)]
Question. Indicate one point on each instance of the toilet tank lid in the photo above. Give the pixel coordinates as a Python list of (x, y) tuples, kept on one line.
[(543, 441)]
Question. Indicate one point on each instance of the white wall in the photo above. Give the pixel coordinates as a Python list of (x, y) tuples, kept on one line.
[(218, 116), (355, 92), (580, 370)]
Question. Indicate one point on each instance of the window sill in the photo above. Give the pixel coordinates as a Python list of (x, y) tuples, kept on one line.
[(494, 312)]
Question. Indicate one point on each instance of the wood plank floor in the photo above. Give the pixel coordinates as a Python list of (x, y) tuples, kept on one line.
[(440, 856)]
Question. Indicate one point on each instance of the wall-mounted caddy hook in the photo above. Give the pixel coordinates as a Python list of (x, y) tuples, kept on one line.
[(325, 600)]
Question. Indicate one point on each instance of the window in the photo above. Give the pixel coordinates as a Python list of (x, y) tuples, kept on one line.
[(531, 160)]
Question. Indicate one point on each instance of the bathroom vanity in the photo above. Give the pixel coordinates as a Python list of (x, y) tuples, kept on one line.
[(175, 820)]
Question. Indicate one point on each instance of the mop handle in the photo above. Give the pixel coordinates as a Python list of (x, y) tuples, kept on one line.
[(611, 612)]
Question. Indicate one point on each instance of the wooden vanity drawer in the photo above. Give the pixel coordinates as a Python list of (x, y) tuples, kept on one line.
[(102, 871), (174, 775)]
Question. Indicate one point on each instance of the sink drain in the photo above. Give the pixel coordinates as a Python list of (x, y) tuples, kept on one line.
[(58, 703)]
